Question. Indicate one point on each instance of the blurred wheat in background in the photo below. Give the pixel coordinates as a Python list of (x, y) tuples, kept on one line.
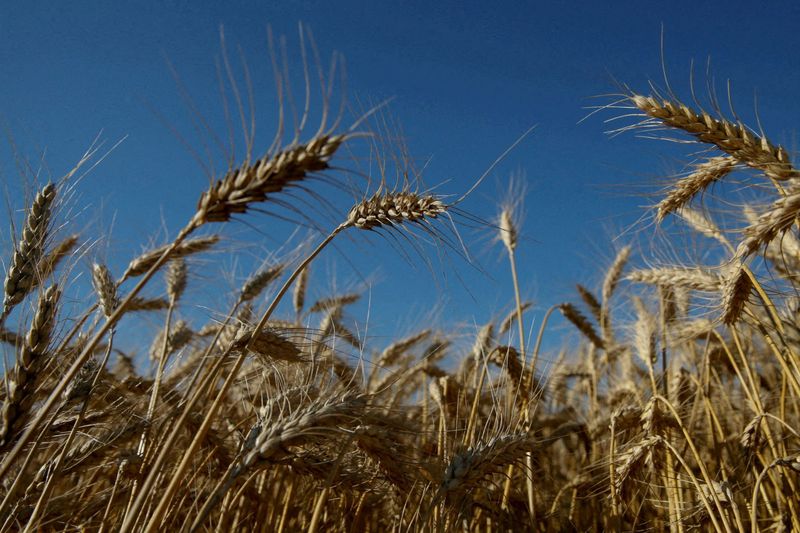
[(677, 408)]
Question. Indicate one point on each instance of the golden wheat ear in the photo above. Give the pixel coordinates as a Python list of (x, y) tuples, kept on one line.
[(105, 288), (685, 189), (140, 265), (468, 468), (21, 274), (281, 439), (254, 286), (392, 209), (735, 139), (241, 187), (29, 365), (583, 325), (697, 279)]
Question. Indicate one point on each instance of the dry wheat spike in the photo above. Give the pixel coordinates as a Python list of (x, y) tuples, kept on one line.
[(735, 139)]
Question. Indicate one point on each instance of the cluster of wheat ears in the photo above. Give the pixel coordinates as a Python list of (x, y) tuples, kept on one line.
[(683, 416)]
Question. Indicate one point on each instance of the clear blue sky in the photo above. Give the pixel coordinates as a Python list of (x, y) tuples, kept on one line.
[(467, 79)]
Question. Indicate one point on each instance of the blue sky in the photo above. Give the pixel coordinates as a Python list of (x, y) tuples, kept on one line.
[(466, 78)]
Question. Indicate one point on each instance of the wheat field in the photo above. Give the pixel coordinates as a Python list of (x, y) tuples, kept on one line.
[(674, 407)]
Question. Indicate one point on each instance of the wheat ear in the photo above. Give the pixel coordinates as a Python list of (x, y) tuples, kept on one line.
[(394, 351), (21, 274), (394, 208), (591, 302), (254, 286), (105, 288), (779, 219), (267, 343), (269, 175), (29, 362), (577, 318), (177, 275), (334, 302), (734, 139), (49, 263), (267, 444), (704, 174), (644, 333), (299, 292), (610, 282), (735, 292), (633, 457), (467, 469), (179, 336), (511, 318), (702, 224), (144, 262), (483, 342), (691, 278), (508, 230)]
